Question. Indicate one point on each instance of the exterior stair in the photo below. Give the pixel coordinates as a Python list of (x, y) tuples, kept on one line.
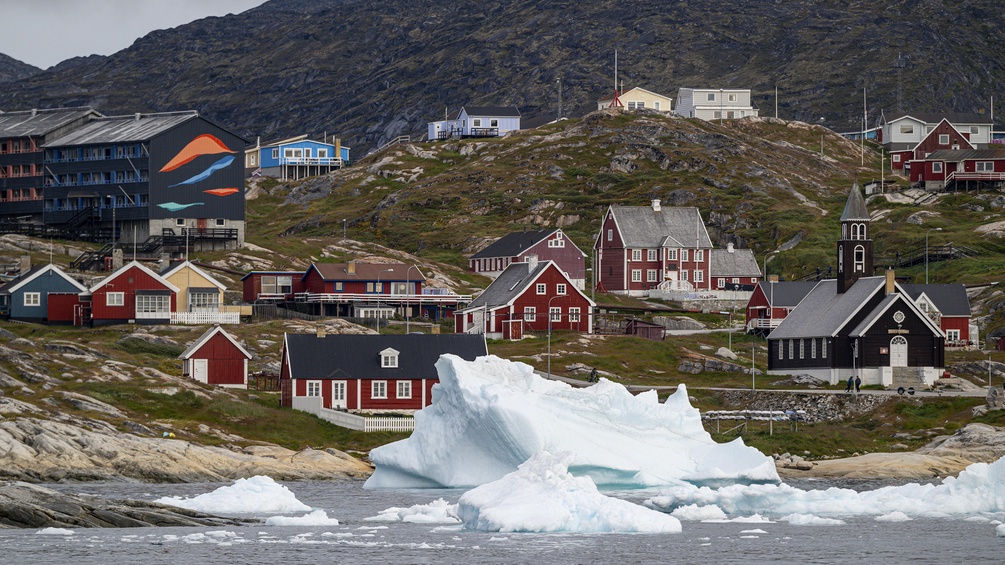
[(908, 377)]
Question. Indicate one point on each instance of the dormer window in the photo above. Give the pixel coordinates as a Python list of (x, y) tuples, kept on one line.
[(389, 359)]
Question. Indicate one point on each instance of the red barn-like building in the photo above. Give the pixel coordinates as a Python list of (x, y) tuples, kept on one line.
[(517, 247), (271, 286), (133, 293), (531, 296), (217, 359)]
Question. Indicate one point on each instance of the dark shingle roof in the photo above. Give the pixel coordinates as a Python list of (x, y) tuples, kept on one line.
[(358, 356), (738, 263), (120, 129), (509, 284), (854, 207), (965, 154), (5, 289), (950, 299), (39, 122), (936, 117), (513, 244), (643, 227), (823, 312), (786, 294), (492, 111)]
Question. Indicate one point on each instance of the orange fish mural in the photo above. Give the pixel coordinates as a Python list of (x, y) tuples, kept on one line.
[(204, 144), (221, 191)]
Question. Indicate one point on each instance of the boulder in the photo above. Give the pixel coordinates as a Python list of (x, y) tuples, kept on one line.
[(725, 354)]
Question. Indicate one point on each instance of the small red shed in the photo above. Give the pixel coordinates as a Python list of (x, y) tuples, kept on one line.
[(216, 359)]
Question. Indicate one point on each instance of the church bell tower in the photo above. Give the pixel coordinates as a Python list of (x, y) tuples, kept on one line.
[(854, 248)]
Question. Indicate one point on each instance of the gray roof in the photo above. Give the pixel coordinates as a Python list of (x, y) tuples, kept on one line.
[(854, 207), (358, 356), (786, 294), (121, 129), (950, 299), (936, 117), (509, 284), (672, 226), (823, 312), (39, 122), (513, 244), (878, 311), (738, 263), (965, 154), (492, 111)]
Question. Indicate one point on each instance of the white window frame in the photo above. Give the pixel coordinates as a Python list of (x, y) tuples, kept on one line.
[(530, 313), (685, 275), (557, 242), (555, 313), (541, 289), (313, 388), (896, 157), (823, 348), (403, 389), (699, 276), (699, 255), (560, 289), (781, 350), (683, 255), (943, 139), (652, 275), (493, 122), (952, 335), (573, 314), (710, 97), (730, 97), (115, 299), (636, 275), (802, 348), (378, 390), (907, 128), (722, 282), (389, 359), (220, 222), (671, 254), (636, 255), (275, 153), (984, 166), (975, 129), (476, 122), (651, 255), (33, 299), (813, 348), (610, 235), (937, 167), (792, 349)]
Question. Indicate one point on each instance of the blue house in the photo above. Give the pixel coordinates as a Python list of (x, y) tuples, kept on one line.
[(27, 298), (296, 158)]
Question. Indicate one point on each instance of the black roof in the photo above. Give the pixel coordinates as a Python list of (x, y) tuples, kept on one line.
[(936, 117), (786, 294), (358, 356), (965, 154), (492, 111), (950, 299), (513, 244)]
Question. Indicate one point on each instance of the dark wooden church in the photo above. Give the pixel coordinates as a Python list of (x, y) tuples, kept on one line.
[(858, 324)]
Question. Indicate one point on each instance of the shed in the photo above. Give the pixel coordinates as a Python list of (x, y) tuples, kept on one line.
[(216, 359), (645, 329)]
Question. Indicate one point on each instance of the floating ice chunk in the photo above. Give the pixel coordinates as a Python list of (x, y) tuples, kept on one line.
[(542, 496), (895, 516), (490, 415), (810, 520), (316, 518), (980, 488), (258, 494), (695, 513), (436, 512), (55, 532), (1000, 530), (754, 531)]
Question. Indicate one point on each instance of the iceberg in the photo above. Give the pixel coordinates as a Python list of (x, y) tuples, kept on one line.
[(316, 518), (980, 488), (438, 511), (542, 496), (259, 494), (490, 415)]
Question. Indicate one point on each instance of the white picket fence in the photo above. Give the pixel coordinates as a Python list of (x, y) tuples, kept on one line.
[(312, 404), (205, 318)]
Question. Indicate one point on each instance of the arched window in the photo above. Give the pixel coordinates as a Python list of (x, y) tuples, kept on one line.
[(844, 231), (858, 231), (840, 258), (859, 259)]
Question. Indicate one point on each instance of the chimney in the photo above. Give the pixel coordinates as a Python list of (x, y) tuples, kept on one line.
[(351, 267), (165, 261), (531, 263), (321, 331), (890, 281), (25, 264), (137, 115), (656, 204), (338, 148), (729, 247)]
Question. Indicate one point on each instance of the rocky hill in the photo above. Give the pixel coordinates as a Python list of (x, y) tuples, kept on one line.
[(11, 69), (369, 71)]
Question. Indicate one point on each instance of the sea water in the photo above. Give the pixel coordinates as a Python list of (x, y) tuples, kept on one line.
[(355, 540)]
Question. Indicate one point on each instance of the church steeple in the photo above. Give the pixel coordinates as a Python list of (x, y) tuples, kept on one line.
[(854, 248)]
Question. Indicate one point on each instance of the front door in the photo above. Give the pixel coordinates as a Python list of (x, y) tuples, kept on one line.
[(898, 351), (200, 370), (338, 394)]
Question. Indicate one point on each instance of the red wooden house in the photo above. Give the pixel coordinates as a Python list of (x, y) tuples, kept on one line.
[(946, 304), (132, 294), (531, 296), (365, 290), (216, 359), (942, 137), (547, 245), (964, 168), (368, 373), (772, 301), (271, 286), (642, 247)]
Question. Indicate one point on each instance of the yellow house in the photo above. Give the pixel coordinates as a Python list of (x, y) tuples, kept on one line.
[(200, 297), (638, 98)]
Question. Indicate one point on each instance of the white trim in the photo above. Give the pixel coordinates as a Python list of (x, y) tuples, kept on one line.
[(125, 268), (209, 335), (40, 272)]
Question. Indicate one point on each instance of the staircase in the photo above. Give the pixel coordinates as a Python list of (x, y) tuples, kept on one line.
[(909, 377)]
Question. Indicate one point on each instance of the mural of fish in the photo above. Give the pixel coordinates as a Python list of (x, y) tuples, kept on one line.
[(221, 164), (174, 206), (221, 191), (204, 144)]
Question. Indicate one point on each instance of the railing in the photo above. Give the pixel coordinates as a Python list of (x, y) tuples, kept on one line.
[(763, 323), (205, 318), (313, 405), (330, 161), (974, 175), (396, 141), (484, 132), (342, 297)]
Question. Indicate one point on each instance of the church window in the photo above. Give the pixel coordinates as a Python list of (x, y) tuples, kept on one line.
[(859, 259)]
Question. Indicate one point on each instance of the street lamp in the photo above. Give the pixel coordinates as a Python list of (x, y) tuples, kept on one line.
[(549, 334), (771, 288), (720, 106), (926, 250), (343, 229), (408, 293)]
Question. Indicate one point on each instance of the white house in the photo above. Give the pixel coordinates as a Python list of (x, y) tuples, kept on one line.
[(635, 99), (905, 131), (714, 103), (476, 121)]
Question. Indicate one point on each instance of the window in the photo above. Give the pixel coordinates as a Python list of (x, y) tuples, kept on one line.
[(275, 153), (494, 123), (792, 349), (906, 128), (404, 389), (721, 283), (656, 105), (530, 313), (699, 255), (717, 115), (974, 129), (115, 299), (813, 349), (710, 97), (671, 254), (896, 158), (277, 284), (937, 167), (652, 275), (683, 254), (636, 254), (556, 242), (32, 299), (802, 348), (322, 152), (313, 388), (153, 304), (952, 335), (179, 222), (736, 280), (823, 348), (943, 139), (339, 287), (389, 359), (378, 389), (476, 122), (729, 115), (699, 276), (859, 259), (636, 275), (555, 313), (651, 255), (560, 289), (731, 97), (985, 166), (610, 235), (542, 288), (204, 302), (220, 222), (574, 314), (781, 350), (685, 275)]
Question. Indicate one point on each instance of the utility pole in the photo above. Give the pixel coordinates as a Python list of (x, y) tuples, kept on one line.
[(559, 81)]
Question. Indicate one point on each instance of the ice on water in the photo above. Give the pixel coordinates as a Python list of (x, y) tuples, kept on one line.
[(490, 415), (257, 495), (316, 518)]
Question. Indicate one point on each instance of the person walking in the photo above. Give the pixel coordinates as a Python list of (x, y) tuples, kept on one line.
[(851, 383), (858, 384)]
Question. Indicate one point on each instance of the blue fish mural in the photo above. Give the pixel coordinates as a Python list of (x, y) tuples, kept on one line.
[(174, 206), (222, 163)]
